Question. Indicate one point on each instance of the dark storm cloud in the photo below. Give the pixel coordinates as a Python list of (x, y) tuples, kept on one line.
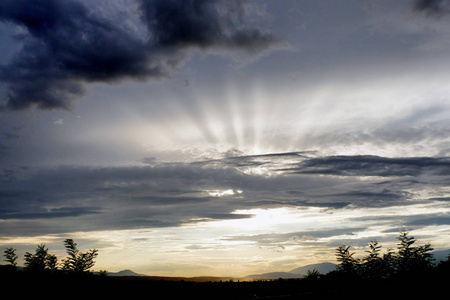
[(300, 179), (342, 165), (434, 7), (385, 195), (170, 200), (367, 165), (65, 45), (63, 212), (370, 196), (203, 24), (445, 199)]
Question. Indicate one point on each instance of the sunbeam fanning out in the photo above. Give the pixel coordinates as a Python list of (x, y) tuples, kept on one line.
[(259, 120), (223, 138)]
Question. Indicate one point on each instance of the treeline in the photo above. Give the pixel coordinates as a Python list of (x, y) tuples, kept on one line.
[(42, 261), (409, 258), (404, 272)]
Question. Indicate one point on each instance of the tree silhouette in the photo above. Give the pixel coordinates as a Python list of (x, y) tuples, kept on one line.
[(373, 264), (11, 256), (388, 263), (373, 253), (313, 274), (52, 262), (78, 262), (409, 258), (40, 260), (413, 258), (348, 263)]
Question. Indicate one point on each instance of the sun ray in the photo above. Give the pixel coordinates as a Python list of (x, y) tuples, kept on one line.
[(236, 118)]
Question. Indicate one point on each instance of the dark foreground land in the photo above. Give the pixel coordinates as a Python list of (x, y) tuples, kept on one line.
[(408, 274), (431, 285)]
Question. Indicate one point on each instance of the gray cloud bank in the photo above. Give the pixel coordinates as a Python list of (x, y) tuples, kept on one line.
[(66, 44), (373, 166), (67, 199)]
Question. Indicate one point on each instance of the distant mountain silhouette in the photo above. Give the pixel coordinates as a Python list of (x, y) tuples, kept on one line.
[(273, 275), (323, 268), (125, 273), (441, 255), (129, 273)]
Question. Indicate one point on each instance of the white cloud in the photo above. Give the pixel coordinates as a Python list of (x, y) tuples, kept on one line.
[(58, 122)]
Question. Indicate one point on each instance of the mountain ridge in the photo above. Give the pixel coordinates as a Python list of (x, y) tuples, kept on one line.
[(299, 272), (124, 273), (321, 267)]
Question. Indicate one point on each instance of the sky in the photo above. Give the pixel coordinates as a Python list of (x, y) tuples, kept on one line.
[(223, 138)]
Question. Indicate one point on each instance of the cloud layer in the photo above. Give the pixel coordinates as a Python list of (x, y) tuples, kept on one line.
[(65, 44), (170, 195)]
